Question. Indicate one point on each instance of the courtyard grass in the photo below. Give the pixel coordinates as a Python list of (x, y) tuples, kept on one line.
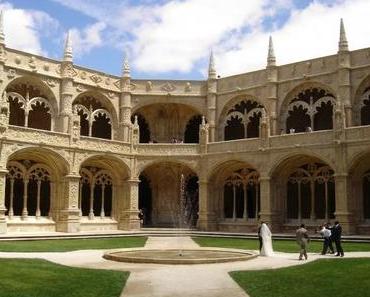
[(65, 245), (325, 277), (40, 278), (288, 246)]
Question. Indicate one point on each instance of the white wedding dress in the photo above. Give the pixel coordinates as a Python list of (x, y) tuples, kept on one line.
[(266, 250)]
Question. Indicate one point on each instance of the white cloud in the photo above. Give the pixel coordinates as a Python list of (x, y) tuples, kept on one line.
[(23, 28), (309, 33), (85, 40), (177, 35)]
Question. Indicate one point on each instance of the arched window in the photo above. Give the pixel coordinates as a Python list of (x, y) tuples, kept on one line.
[(311, 193), (145, 199), (33, 112), (96, 193), (365, 107), (28, 191), (192, 129), (39, 114), (14, 189), (101, 124), (95, 121), (366, 195), (311, 109), (242, 195), (191, 200), (243, 120)]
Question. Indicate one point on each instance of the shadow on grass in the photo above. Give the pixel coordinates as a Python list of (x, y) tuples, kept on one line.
[(65, 245), (40, 278), (324, 277), (288, 246)]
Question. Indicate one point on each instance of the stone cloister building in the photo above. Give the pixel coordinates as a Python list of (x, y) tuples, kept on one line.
[(83, 150)]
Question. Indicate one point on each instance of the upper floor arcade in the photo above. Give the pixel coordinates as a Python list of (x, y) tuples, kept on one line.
[(303, 97)]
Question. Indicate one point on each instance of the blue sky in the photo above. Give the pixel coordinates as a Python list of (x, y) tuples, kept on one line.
[(173, 39)]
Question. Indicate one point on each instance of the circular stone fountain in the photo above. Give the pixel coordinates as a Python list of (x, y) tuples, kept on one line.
[(176, 256)]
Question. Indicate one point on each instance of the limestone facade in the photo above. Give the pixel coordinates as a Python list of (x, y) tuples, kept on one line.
[(84, 150)]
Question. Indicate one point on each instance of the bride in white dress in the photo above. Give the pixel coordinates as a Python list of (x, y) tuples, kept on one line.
[(266, 250)]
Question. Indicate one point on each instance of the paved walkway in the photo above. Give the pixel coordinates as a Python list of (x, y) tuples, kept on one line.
[(205, 280)]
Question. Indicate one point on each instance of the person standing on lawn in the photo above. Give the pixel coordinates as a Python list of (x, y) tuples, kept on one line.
[(326, 233), (336, 234), (266, 236), (302, 240)]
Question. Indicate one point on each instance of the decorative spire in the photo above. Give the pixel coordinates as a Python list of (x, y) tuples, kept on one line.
[(271, 60), (343, 44), (68, 55), (2, 35), (203, 120), (212, 68), (126, 67)]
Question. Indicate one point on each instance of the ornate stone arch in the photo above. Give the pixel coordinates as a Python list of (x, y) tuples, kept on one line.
[(166, 121), (55, 163), (360, 100), (118, 168), (240, 112), (143, 165), (223, 165), (303, 188), (92, 105), (39, 172), (27, 95), (103, 177), (306, 101), (16, 170), (304, 153)]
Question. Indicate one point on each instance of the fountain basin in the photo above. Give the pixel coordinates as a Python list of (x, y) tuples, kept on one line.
[(179, 256)]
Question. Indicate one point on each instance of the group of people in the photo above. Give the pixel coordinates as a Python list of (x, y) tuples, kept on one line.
[(329, 233)]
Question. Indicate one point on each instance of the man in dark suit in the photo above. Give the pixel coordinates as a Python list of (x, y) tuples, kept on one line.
[(336, 234)]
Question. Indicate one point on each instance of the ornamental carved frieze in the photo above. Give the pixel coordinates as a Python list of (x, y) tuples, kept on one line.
[(3, 54), (149, 86), (67, 70), (80, 88), (12, 73), (117, 84), (168, 87), (32, 64), (96, 79), (112, 95), (83, 75), (188, 87), (108, 81), (50, 82), (17, 60)]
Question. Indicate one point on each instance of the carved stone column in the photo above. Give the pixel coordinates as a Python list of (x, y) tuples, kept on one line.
[(211, 108), (69, 218), (203, 136), (207, 218), (66, 96), (129, 214), (125, 116), (3, 225), (125, 103), (267, 213), (342, 212)]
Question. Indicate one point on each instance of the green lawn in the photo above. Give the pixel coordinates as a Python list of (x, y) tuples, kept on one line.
[(40, 278), (64, 245), (326, 277), (289, 246)]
